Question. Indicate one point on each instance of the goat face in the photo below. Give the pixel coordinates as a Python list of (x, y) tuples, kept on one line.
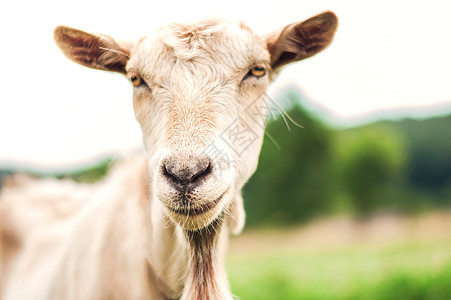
[(199, 99), (195, 85)]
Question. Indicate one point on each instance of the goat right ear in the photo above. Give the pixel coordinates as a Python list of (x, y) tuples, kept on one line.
[(94, 51), (301, 40)]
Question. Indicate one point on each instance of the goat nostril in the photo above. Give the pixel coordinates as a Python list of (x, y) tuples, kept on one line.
[(186, 173), (203, 170)]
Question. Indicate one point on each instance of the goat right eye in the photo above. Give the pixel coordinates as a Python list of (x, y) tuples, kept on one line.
[(136, 80)]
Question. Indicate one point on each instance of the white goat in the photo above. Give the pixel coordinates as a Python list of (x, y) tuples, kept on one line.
[(157, 226)]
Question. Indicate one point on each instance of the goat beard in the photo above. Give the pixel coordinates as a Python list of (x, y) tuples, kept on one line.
[(203, 282)]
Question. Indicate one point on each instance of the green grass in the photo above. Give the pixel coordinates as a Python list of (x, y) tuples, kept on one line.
[(408, 271)]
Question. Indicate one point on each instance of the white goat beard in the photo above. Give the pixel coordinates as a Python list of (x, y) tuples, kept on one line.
[(204, 281)]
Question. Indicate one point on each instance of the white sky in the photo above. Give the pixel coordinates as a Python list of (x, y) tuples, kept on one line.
[(386, 55)]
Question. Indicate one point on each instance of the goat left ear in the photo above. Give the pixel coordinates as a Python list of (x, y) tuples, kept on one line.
[(301, 40), (94, 51)]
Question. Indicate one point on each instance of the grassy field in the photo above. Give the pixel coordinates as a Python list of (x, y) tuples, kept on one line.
[(386, 258)]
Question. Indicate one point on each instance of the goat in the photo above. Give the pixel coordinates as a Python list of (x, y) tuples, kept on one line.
[(157, 227)]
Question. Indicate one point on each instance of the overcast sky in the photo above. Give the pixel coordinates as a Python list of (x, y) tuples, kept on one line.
[(387, 55)]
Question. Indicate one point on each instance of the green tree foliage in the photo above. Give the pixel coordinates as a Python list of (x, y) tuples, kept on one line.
[(429, 162), (403, 166), (426, 176), (369, 164)]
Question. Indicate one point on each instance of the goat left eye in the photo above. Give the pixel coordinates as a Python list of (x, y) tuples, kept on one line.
[(258, 71)]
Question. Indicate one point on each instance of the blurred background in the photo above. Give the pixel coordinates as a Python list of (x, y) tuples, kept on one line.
[(354, 205)]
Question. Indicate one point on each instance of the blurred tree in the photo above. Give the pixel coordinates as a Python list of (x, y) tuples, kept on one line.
[(426, 177), (429, 160), (369, 165)]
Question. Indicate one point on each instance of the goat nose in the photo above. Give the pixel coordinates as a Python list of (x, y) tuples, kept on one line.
[(182, 173)]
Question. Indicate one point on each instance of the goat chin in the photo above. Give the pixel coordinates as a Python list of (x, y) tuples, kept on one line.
[(200, 221)]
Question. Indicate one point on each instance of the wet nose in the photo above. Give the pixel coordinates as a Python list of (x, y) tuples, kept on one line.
[(182, 173)]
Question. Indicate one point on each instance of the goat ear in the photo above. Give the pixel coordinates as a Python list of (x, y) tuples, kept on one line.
[(237, 215), (301, 40), (94, 51)]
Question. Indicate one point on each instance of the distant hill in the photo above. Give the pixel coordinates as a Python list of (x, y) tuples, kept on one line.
[(88, 174)]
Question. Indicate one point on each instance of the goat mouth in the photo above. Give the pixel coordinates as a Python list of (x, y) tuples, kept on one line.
[(189, 210)]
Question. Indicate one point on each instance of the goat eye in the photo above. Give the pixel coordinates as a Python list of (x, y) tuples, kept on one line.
[(258, 71), (136, 80)]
